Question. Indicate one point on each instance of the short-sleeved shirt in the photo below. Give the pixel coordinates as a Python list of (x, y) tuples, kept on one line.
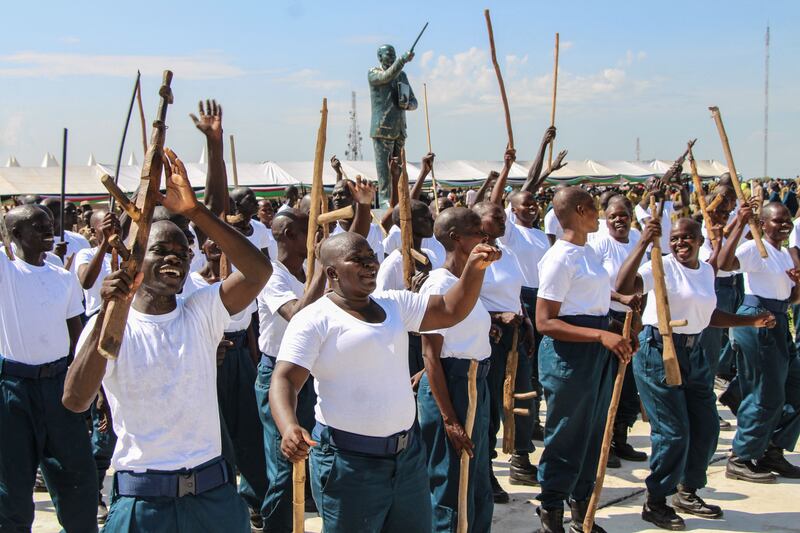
[(552, 226), (35, 304), (469, 339), (690, 293), (392, 242), (613, 254), (390, 274), (529, 245), (92, 294), (162, 389), (794, 236), (666, 222), (238, 322), (502, 284), (262, 238), (360, 369), (706, 250), (281, 289), (574, 275), (765, 277), (75, 243), (374, 238)]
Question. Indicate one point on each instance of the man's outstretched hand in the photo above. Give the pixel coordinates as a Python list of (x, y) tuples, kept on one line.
[(210, 121)]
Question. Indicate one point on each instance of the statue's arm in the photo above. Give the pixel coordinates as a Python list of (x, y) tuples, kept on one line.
[(412, 99), (382, 77)]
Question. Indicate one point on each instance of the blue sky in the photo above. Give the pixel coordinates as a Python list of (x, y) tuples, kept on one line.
[(627, 70)]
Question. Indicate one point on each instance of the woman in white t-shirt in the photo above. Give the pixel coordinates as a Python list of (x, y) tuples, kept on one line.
[(367, 462), (683, 420)]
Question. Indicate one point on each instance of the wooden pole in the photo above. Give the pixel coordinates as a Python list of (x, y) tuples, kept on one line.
[(63, 182), (555, 92), (124, 135), (508, 394), (141, 115), (317, 194), (588, 520), (406, 231), (701, 199), (671, 367), (233, 163), (299, 497), (755, 230), (430, 150), (469, 423), (499, 79)]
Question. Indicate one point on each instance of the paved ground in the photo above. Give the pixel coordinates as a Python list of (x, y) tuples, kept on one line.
[(748, 507)]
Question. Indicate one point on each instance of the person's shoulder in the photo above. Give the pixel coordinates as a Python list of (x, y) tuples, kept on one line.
[(85, 253)]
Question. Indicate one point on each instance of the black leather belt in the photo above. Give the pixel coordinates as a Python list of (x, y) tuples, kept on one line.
[(460, 367), (238, 338), (727, 281), (774, 306), (587, 321), (21, 370), (378, 446), (680, 340), (175, 484)]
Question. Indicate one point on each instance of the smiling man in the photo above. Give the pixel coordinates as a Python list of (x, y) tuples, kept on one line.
[(169, 472)]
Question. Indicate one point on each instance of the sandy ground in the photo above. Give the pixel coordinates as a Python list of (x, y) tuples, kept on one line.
[(748, 507)]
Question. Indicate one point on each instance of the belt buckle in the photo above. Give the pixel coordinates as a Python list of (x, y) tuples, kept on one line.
[(402, 442), (47, 370), (187, 484)]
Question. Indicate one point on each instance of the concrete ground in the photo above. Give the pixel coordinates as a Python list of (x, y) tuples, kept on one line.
[(748, 507)]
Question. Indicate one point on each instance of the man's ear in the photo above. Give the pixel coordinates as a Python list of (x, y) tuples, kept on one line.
[(330, 272)]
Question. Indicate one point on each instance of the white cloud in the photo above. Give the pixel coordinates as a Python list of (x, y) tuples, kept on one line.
[(310, 79), (70, 39), (47, 65), (565, 45), (11, 130)]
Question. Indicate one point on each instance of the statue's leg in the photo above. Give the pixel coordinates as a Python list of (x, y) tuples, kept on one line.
[(384, 150)]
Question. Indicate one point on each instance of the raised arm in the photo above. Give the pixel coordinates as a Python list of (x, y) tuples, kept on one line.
[(628, 278), (425, 169), (481, 194), (337, 167), (508, 160), (87, 274), (315, 289), (727, 256), (363, 193), (382, 77), (532, 183), (210, 125), (395, 171)]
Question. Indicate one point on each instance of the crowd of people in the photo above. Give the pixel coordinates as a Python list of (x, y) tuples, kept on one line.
[(241, 357)]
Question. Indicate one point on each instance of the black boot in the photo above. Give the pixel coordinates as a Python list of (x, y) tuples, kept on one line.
[(620, 446), (521, 471), (656, 511), (538, 431), (613, 461), (578, 510), (774, 461), (748, 471), (552, 520), (687, 501), (499, 495)]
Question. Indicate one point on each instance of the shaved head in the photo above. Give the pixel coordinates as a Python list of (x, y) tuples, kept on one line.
[(240, 192), (337, 246), (688, 225), (97, 218), (289, 218), (454, 220), (772, 209), (517, 197), (566, 200), (166, 231), (21, 214), (481, 208)]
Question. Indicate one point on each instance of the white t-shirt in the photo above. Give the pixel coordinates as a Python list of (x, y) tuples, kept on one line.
[(502, 284), (469, 339), (49, 257), (390, 273), (666, 222), (794, 236), (765, 277), (706, 250), (75, 243), (35, 303), (394, 238), (360, 370), (690, 293), (92, 294), (238, 322), (162, 389), (262, 238), (574, 275), (198, 258), (552, 226), (613, 253), (281, 289), (529, 245), (374, 238)]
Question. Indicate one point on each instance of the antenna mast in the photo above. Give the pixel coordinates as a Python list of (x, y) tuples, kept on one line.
[(353, 151), (637, 149)]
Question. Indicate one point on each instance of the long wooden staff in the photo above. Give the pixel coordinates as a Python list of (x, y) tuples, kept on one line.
[(754, 228), (63, 182), (588, 520), (555, 92), (141, 115), (430, 150), (499, 79), (233, 163), (406, 231), (509, 396), (469, 423), (701, 199)]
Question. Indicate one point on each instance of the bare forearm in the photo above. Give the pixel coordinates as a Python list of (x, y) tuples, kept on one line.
[(416, 190), (86, 372), (437, 381), (727, 256), (362, 220), (532, 182), (451, 308), (216, 194), (88, 276), (723, 319), (499, 186), (481, 194), (626, 278), (315, 290), (562, 331)]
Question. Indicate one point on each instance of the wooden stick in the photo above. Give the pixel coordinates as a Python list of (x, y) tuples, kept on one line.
[(63, 182), (715, 202), (233, 163), (755, 230), (671, 367), (499, 79), (345, 213), (588, 520), (299, 497), (419, 257), (406, 231), (430, 150), (508, 394), (124, 135), (469, 423), (141, 115), (701, 199), (555, 92), (317, 193)]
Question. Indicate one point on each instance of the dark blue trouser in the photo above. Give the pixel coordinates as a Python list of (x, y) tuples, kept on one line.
[(36, 429), (523, 425), (769, 377), (220, 510), (369, 494), (577, 378), (415, 362), (684, 427), (628, 408), (102, 446), (277, 510), (714, 340), (796, 320), (528, 297), (726, 367), (444, 464), (236, 377)]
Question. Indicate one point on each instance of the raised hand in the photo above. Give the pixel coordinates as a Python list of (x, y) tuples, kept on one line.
[(559, 161), (483, 255), (651, 230), (109, 227), (337, 166), (549, 135), (362, 190), (427, 162), (509, 157), (408, 56), (210, 121), (119, 285), (180, 197), (395, 169)]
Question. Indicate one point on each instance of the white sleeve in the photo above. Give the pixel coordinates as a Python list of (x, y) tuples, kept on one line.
[(646, 272), (794, 238), (749, 258), (277, 292), (207, 303), (75, 296), (554, 280), (412, 307), (83, 257), (375, 239), (640, 213), (303, 339), (434, 288), (387, 275), (551, 223)]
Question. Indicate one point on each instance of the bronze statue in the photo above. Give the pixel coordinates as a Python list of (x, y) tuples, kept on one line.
[(391, 97)]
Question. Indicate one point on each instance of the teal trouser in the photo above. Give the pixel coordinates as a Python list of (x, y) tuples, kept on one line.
[(444, 465), (36, 429), (239, 412), (577, 378), (713, 340), (220, 510), (769, 377), (103, 445), (277, 510), (684, 425), (370, 494)]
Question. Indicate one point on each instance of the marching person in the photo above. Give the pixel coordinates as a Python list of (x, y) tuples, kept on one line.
[(442, 400), (576, 367), (368, 469), (684, 424), (341, 197), (169, 473), (768, 367)]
